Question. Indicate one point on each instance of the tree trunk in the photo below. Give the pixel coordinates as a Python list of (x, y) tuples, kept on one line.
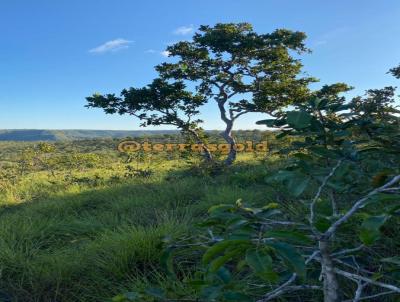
[(227, 135), (330, 286)]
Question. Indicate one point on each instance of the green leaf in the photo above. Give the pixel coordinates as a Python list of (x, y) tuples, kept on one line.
[(299, 119), (323, 152), (290, 256), (224, 274), (167, 263), (369, 232), (268, 122), (219, 247), (261, 263), (222, 260), (220, 208), (322, 224), (297, 184), (293, 236), (283, 134)]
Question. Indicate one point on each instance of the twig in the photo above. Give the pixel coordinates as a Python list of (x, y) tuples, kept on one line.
[(360, 288), (351, 266), (271, 222), (279, 290), (319, 191), (290, 289), (335, 211), (284, 288), (332, 229), (347, 251), (356, 278), (373, 296), (345, 264)]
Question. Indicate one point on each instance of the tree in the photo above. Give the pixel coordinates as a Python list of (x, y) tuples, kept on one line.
[(160, 103), (395, 71), (240, 70)]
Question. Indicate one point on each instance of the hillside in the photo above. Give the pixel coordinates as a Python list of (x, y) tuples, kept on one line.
[(59, 135)]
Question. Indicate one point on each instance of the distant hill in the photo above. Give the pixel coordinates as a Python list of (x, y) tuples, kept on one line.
[(62, 135)]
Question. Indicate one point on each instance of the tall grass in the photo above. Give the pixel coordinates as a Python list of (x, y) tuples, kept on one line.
[(64, 241)]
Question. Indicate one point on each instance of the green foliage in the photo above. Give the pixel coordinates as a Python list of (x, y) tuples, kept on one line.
[(335, 158), (395, 71), (239, 61), (243, 71)]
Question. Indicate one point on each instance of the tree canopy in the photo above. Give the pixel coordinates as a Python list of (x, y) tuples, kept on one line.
[(241, 70)]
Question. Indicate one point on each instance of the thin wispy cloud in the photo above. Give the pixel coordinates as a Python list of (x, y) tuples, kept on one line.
[(319, 43), (165, 53), (184, 30), (111, 46), (329, 36)]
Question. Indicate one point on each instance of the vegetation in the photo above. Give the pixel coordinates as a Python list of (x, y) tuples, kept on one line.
[(242, 71), (275, 253), (91, 229), (70, 135), (315, 218)]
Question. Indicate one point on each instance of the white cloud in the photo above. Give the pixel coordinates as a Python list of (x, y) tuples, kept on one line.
[(184, 30), (111, 46), (165, 53), (150, 51), (329, 36), (319, 43)]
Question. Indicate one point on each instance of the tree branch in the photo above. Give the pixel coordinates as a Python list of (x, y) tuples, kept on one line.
[(284, 287), (356, 277), (347, 251), (372, 296), (319, 191), (332, 229)]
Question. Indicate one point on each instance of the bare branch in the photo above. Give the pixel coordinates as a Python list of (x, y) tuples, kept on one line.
[(288, 289), (360, 288), (240, 113), (335, 211), (358, 269), (277, 222), (278, 291), (284, 287), (332, 229), (348, 251), (373, 296), (319, 191), (356, 278)]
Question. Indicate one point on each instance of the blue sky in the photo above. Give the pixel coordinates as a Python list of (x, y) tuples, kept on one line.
[(54, 53)]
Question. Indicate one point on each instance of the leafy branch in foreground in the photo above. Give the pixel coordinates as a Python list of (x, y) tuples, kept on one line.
[(346, 198)]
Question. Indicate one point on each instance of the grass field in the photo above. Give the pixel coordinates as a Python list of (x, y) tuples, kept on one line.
[(93, 229), (87, 241)]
